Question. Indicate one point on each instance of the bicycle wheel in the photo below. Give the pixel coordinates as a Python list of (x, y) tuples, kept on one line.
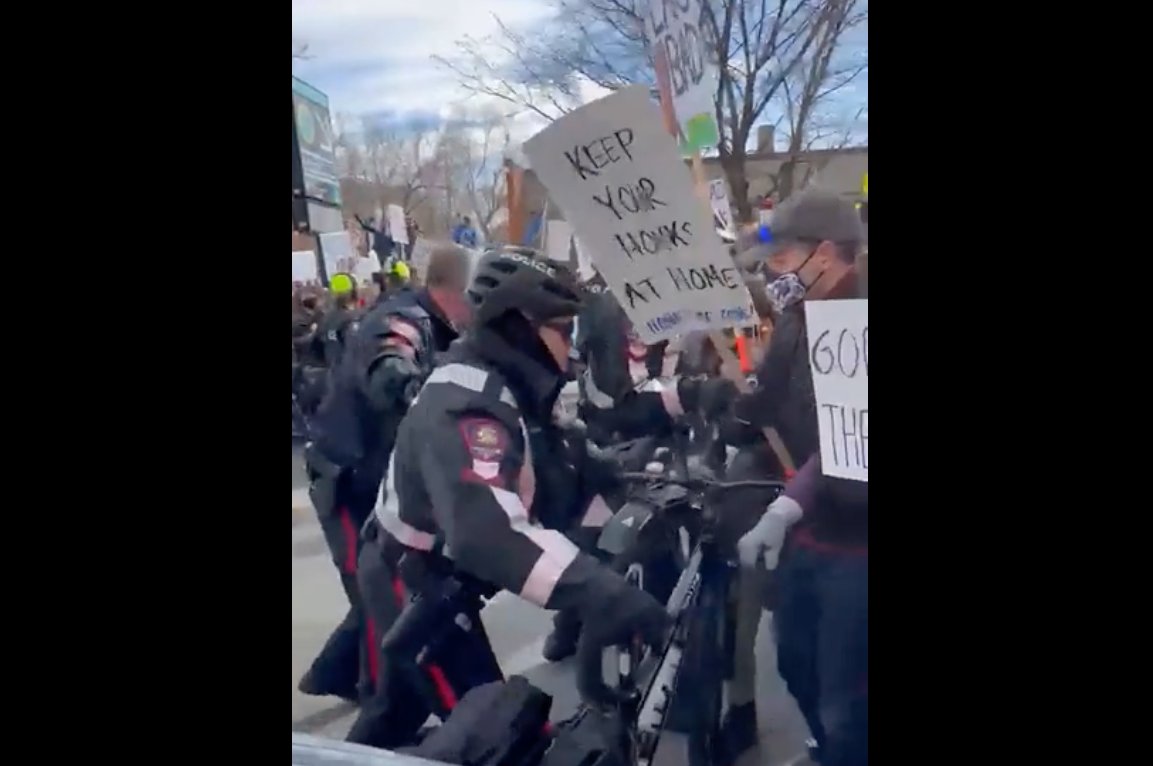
[(703, 669)]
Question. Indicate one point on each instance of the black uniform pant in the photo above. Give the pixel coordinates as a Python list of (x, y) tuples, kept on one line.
[(341, 512), (405, 695)]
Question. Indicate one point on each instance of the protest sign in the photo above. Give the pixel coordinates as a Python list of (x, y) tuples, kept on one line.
[(304, 266), (396, 224), (558, 241), (618, 177), (364, 269), (584, 264), (339, 257), (679, 33), (373, 261), (839, 357), (421, 252), (719, 202)]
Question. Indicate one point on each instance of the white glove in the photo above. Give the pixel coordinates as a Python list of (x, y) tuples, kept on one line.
[(764, 541)]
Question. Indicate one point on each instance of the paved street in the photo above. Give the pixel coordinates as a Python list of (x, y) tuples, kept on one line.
[(517, 630)]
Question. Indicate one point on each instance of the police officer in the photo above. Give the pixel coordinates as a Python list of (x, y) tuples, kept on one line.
[(308, 351), (381, 370), (341, 321), (477, 483)]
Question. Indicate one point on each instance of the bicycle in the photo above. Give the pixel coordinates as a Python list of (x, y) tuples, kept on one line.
[(699, 643)]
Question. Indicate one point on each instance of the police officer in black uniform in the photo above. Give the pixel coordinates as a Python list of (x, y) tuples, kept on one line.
[(382, 368), (339, 323), (478, 485)]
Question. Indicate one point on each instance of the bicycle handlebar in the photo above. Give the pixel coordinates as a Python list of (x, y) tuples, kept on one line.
[(701, 484)]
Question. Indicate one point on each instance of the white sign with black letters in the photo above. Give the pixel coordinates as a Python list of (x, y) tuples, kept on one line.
[(839, 357), (719, 202), (619, 178), (680, 33)]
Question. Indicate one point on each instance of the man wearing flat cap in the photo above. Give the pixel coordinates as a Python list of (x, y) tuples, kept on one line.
[(816, 237)]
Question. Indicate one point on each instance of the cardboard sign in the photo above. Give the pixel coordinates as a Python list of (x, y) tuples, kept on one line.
[(558, 241), (396, 224), (719, 202), (619, 179), (680, 36), (364, 269), (585, 268), (839, 357), (339, 256), (304, 266)]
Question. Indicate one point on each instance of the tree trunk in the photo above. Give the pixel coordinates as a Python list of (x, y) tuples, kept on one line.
[(734, 167)]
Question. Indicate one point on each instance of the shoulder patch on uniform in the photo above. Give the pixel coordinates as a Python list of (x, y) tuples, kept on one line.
[(405, 330), (487, 442)]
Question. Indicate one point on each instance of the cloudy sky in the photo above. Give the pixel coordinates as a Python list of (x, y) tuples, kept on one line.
[(374, 56)]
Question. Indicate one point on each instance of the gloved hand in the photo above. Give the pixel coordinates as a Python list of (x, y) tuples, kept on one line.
[(764, 541), (716, 396), (625, 613), (709, 396), (638, 414)]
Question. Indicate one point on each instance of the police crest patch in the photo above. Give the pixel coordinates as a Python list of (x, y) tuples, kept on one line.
[(485, 438)]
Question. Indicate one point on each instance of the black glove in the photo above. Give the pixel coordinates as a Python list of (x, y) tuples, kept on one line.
[(623, 612), (638, 414), (716, 396), (708, 396), (620, 614)]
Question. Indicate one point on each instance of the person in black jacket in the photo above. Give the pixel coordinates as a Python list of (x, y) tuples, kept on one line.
[(340, 322), (821, 612), (478, 486), (386, 360)]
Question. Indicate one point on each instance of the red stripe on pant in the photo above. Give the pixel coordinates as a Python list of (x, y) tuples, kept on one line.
[(350, 567), (439, 680), (350, 535)]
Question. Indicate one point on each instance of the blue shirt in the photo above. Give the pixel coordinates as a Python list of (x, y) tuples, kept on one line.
[(464, 235)]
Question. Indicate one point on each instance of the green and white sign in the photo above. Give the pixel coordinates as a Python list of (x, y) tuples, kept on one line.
[(679, 32)]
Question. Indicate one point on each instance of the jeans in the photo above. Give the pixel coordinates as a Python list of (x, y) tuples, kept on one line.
[(822, 625)]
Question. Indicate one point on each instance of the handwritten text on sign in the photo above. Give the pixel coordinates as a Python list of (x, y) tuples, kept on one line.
[(679, 32), (719, 202), (620, 181), (839, 357)]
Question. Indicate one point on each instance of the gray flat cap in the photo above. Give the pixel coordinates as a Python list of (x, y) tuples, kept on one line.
[(817, 215)]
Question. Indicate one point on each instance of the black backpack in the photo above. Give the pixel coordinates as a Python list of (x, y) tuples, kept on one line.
[(496, 724), (589, 738)]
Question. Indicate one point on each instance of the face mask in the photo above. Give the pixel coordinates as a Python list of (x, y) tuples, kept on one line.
[(788, 289)]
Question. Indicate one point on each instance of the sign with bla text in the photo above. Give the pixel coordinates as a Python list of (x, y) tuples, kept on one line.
[(719, 202), (680, 37), (619, 178), (839, 358)]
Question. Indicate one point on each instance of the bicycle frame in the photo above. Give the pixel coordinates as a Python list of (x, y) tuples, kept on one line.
[(647, 687)]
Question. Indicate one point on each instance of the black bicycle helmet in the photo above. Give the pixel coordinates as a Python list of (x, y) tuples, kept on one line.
[(520, 279)]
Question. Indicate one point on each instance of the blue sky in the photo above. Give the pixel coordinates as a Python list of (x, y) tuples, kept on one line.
[(374, 56)]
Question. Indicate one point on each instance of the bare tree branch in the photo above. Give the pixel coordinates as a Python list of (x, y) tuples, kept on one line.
[(779, 62)]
